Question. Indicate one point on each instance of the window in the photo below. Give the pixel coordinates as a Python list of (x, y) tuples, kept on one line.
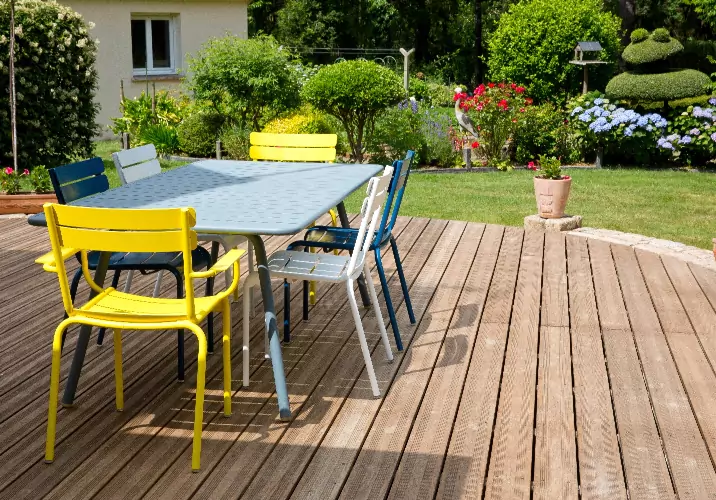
[(154, 44)]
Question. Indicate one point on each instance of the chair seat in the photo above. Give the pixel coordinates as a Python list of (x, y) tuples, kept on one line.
[(150, 261), (114, 305), (330, 238), (309, 266)]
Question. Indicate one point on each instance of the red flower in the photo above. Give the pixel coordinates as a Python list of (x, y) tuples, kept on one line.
[(475, 145), (529, 101), (513, 86), (501, 85), (480, 89), (566, 177), (522, 110), (491, 85), (519, 90), (503, 104), (9, 170), (514, 120), (531, 165), (26, 172)]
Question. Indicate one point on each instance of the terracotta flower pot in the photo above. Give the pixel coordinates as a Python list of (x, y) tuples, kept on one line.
[(25, 203), (552, 197)]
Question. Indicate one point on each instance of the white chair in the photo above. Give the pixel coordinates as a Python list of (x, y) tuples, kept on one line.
[(305, 266), (141, 162)]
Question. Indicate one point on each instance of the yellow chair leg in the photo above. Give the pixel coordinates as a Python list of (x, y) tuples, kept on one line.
[(118, 380), (226, 341), (199, 399), (54, 389)]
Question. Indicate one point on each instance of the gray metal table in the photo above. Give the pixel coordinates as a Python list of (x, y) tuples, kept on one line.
[(235, 197)]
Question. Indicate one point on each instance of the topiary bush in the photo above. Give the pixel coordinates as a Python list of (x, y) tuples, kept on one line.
[(535, 41), (199, 132), (651, 80), (55, 82), (251, 80), (356, 93), (639, 35)]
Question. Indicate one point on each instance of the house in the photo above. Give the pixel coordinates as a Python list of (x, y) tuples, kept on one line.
[(148, 41)]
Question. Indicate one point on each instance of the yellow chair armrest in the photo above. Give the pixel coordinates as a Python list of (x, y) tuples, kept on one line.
[(224, 263), (48, 263)]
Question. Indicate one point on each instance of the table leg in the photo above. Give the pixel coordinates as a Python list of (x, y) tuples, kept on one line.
[(73, 378), (343, 217), (279, 376)]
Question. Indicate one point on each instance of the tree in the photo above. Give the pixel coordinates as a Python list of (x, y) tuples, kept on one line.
[(356, 93)]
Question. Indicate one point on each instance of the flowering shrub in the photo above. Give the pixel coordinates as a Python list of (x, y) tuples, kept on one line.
[(692, 135), (56, 81), (599, 122), (495, 110), (10, 180)]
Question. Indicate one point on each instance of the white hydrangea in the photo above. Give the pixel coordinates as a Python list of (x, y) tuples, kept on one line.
[(34, 45), (61, 16), (81, 42), (88, 73), (91, 25), (3, 39), (18, 30), (61, 59), (68, 41)]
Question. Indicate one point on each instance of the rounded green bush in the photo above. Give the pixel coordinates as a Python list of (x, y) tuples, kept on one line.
[(236, 142), (650, 51), (55, 81), (668, 86), (199, 132), (639, 35), (661, 35), (535, 41)]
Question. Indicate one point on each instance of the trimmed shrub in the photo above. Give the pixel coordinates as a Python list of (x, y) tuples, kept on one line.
[(56, 82), (535, 40), (236, 143), (306, 121), (661, 35), (639, 35), (677, 84), (251, 80), (542, 130), (356, 93), (650, 50), (199, 132)]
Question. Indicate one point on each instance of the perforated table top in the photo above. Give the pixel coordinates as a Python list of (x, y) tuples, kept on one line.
[(242, 197)]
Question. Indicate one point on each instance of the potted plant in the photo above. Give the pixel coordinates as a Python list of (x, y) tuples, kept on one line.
[(15, 201), (551, 187)]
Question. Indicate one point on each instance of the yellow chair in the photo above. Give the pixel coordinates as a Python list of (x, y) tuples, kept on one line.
[(78, 230), (296, 147)]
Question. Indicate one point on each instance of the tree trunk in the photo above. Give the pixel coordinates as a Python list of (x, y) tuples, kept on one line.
[(626, 12), (479, 75), (13, 93)]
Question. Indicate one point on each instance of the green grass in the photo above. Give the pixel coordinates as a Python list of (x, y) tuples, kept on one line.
[(673, 205)]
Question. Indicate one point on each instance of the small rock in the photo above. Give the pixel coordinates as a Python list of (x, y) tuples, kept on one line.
[(566, 223)]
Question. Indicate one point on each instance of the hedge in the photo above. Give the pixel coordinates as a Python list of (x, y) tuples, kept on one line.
[(658, 87), (650, 50)]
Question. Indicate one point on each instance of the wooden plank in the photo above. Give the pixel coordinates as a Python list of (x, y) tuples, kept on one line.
[(510, 471), (555, 468), (600, 467), (465, 467), (294, 450), (694, 369), (159, 450), (332, 462), (646, 473), (707, 281), (691, 469)]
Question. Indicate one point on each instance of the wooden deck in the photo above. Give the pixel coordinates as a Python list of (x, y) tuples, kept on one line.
[(540, 367)]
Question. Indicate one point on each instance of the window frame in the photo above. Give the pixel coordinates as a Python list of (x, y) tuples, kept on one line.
[(150, 70)]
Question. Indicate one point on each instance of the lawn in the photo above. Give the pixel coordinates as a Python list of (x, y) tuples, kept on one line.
[(673, 205)]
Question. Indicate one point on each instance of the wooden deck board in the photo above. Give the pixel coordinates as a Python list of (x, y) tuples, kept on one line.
[(608, 353)]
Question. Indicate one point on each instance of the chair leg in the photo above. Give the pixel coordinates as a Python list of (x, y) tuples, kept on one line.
[(199, 398), (305, 301), (226, 354), (73, 292), (361, 339), (118, 381), (180, 333), (376, 310), (158, 284), (403, 284), (286, 311), (54, 389), (252, 302), (115, 282), (210, 291), (312, 292), (128, 283), (388, 300), (246, 323)]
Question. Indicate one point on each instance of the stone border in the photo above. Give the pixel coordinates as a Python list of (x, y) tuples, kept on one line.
[(699, 256)]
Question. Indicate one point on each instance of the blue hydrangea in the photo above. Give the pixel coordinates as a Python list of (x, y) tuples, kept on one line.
[(576, 110), (673, 137), (628, 131), (584, 117), (649, 128), (713, 137), (694, 131), (685, 140), (598, 101), (712, 101), (642, 121), (612, 107)]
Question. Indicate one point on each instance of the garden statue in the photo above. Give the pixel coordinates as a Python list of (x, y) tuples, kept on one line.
[(650, 78)]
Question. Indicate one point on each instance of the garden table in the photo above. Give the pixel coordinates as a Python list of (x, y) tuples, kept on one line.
[(250, 198)]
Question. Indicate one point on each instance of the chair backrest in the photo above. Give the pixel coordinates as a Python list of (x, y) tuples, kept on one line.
[(120, 230), (395, 196), (293, 147), (377, 192), (78, 180), (136, 163)]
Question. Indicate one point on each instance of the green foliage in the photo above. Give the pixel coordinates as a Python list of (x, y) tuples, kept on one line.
[(550, 168), (707, 11), (691, 134), (199, 132), (661, 35), (245, 80), (164, 137), (396, 131), (40, 180), (651, 50), (542, 129), (305, 121), (56, 82), (236, 142), (440, 95), (137, 113), (535, 41), (419, 89), (356, 93), (639, 35), (677, 84)]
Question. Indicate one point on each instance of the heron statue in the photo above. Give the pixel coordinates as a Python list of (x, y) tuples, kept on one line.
[(462, 119)]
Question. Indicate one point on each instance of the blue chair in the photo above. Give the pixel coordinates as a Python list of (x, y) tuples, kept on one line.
[(85, 178), (331, 238)]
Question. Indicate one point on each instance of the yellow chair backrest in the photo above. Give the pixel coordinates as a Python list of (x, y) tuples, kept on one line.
[(293, 147), (81, 229)]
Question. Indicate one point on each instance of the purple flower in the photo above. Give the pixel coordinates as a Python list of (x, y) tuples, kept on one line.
[(694, 131), (685, 140), (712, 101), (713, 137)]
